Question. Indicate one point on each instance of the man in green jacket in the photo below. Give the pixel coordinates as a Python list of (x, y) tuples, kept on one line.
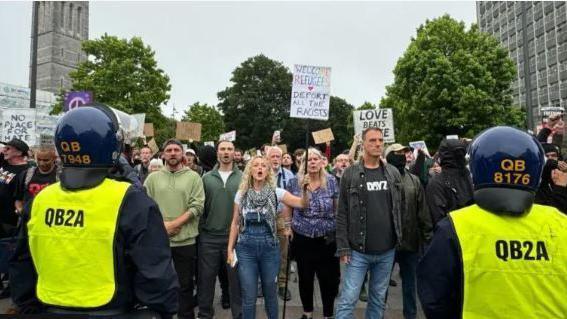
[(179, 193), (221, 185), (417, 227)]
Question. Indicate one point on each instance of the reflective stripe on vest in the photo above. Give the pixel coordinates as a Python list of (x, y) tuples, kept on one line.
[(514, 267), (71, 239)]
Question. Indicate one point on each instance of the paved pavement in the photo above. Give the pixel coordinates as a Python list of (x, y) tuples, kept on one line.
[(294, 309)]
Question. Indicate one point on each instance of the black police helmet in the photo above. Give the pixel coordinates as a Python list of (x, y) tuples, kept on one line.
[(89, 141), (506, 166)]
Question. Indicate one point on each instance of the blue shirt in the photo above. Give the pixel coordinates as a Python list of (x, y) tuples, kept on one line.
[(319, 218)]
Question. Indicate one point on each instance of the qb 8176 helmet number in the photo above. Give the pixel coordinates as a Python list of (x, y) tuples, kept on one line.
[(514, 173)]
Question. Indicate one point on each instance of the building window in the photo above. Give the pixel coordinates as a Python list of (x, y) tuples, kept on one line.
[(79, 18), (70, 25), (62, 15)]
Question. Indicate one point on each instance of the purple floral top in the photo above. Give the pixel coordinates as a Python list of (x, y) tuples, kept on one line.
[(319, 219)]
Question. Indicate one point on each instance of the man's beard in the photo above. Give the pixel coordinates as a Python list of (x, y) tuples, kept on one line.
[(173, 162)]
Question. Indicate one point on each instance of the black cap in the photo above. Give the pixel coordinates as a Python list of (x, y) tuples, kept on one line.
[(19, 145)]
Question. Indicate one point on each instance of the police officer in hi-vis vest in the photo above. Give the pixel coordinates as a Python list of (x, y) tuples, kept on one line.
[(90, 244), (503, 257)]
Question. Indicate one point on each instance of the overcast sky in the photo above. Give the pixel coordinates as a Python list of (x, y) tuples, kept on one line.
[(198, 44)]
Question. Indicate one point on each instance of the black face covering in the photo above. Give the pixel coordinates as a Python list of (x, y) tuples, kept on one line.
[(398, 160)]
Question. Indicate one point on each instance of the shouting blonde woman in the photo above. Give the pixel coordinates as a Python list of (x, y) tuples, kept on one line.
[(253, 234)]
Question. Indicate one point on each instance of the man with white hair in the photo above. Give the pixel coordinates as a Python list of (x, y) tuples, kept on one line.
[(283, 177)]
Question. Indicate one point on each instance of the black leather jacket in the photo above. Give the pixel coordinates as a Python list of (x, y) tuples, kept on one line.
[(352, 209)]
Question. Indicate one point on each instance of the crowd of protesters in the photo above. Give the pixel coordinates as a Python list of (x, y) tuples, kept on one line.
[(232, 215)]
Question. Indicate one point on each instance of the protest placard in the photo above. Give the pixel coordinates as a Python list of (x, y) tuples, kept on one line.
[(188, 131), (228, 136), (210, 143), (551, 111), (153, 146), (20, 124), (419, 145), (323, 136), (137, 126), (311, 92), (380, 118), (452, 137), (46, 140), (149, 129), (74, 99)]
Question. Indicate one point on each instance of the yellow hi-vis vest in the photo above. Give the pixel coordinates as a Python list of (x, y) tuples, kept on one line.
[(514, 267), (71, 239)]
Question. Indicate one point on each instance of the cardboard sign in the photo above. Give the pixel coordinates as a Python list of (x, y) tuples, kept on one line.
[(153, 146), (20, 124), (323, 136), (149, 129), (311, 92), (283, 147), (188, 131), (380, 118), (228, 136)]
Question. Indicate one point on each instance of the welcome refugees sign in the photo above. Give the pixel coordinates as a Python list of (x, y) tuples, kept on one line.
[(380, 118), (310, 94)]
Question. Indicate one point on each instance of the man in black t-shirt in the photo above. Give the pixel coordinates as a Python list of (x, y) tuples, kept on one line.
[(36, 178), (13, 165), (368, 226)]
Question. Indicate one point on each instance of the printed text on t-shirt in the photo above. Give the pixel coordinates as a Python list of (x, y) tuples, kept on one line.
[(377, 186)]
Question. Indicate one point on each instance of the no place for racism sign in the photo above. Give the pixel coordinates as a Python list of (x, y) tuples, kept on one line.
[(310, 95), (380, 118)]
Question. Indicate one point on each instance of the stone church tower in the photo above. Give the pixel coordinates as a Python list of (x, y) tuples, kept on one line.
[(62, 26)]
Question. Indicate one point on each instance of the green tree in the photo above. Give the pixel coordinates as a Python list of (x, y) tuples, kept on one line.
[(258, 103), (451, 80), (124, 74), (210, 119)]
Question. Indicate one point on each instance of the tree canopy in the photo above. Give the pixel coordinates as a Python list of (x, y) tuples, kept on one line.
[(258, 102), (210, 119), (124, 74), (451, 80)]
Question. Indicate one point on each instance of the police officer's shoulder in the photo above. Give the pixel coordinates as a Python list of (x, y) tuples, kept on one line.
[(554, 213), (137, 202)]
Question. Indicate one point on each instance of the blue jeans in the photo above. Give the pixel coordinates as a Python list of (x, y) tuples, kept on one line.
[(258, 255), (408, 267), (380, 267)]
